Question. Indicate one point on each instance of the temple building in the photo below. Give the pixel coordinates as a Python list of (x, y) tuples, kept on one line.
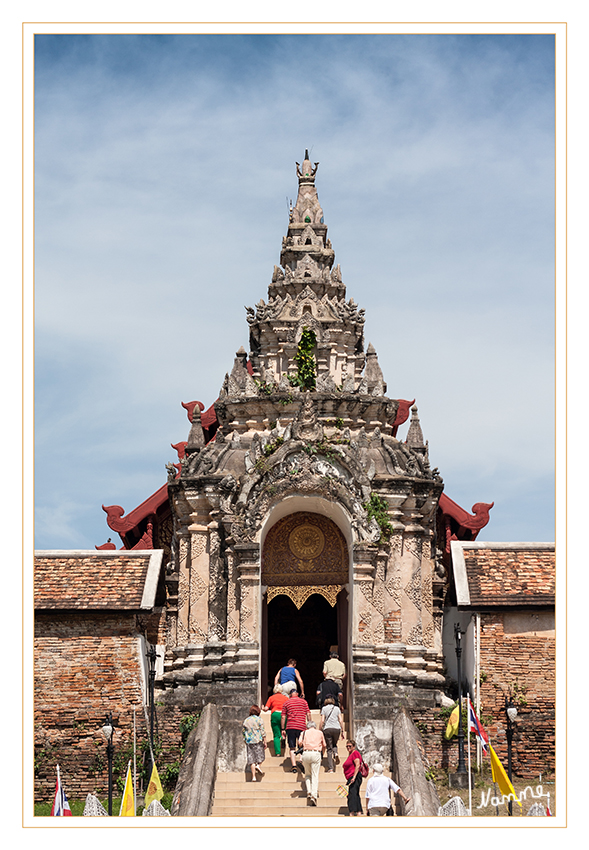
[(296, 519)]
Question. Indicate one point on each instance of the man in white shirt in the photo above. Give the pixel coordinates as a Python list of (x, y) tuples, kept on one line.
[(378, 792), (335, 669)]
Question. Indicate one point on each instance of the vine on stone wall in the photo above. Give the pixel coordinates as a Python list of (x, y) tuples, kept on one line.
[(377, 508), (306, 375)]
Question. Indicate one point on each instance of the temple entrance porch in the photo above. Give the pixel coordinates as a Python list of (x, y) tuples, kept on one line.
[(305, 598)]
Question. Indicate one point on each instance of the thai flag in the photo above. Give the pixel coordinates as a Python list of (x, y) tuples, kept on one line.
[(474, 725), (61, 807)]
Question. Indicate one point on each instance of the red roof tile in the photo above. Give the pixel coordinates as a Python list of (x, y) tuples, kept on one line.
[(507, 573), (103, 580)]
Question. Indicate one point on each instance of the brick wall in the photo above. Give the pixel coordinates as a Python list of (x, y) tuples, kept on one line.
[(392, 627), (517, 653), (87, 664), (517, 656)]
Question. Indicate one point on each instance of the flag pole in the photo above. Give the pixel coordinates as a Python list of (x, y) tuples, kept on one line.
[(134, 761), (468, 745), (493, 777)]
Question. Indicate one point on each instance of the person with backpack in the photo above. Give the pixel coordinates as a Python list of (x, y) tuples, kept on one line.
[(331, 724), (328, 688), (354, 769)]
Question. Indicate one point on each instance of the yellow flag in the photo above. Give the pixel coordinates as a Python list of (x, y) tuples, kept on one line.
[(128, 802), (452, 727), (501, 777), (154, 789)]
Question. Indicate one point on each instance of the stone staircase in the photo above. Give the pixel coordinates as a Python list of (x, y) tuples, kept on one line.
[(280, 793)]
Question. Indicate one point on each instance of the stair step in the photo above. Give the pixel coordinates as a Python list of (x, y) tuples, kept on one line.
[(272, 776), (273, 812), (276, 792)]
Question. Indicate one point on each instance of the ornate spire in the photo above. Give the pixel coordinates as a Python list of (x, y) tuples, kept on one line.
[(415, 434), (307, 255), (373, 373), (307, 292)]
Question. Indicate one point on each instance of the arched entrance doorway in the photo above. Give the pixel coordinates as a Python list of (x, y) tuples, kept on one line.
[(305, 566)]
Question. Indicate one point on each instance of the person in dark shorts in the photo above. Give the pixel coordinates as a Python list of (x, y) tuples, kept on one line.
[(295, 715)]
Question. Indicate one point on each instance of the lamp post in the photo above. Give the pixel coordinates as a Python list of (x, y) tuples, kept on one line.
[(151, 656), (511, 714), (108, 732), (458, 637)]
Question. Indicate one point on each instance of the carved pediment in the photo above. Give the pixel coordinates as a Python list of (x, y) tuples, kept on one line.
[(307, 267)]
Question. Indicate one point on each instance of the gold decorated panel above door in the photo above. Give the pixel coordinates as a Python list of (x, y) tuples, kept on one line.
[(304, 549)]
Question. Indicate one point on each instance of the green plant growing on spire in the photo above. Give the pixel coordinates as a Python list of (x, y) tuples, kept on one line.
[(305, 377)]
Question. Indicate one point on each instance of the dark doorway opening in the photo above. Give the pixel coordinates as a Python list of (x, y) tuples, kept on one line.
[(305, 634)]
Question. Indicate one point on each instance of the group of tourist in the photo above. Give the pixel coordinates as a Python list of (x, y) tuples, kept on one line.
[(291, 723)]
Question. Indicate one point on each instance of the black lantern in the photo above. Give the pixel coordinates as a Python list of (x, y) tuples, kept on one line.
[(511, 714), (458, 637), (151, 656), (108, 732)]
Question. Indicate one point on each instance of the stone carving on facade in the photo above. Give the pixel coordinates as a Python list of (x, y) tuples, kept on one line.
[(305, 425), (216, 630), (413, 588), (412, 545), (232, 630), (364, 625), (245, 633), (198, 545), (378, 632), (415, 636), (428, 635), (394, 589), (277, 275), (183, 599), (427, 599), (378, 600)]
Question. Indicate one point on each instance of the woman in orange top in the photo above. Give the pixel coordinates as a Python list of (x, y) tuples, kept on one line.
[(274, 704)]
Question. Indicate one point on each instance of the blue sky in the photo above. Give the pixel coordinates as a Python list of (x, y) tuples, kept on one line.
[(163, 169)]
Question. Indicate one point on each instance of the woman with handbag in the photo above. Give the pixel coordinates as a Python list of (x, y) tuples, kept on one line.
[(332, 723), (352, 772), (254, 736)]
